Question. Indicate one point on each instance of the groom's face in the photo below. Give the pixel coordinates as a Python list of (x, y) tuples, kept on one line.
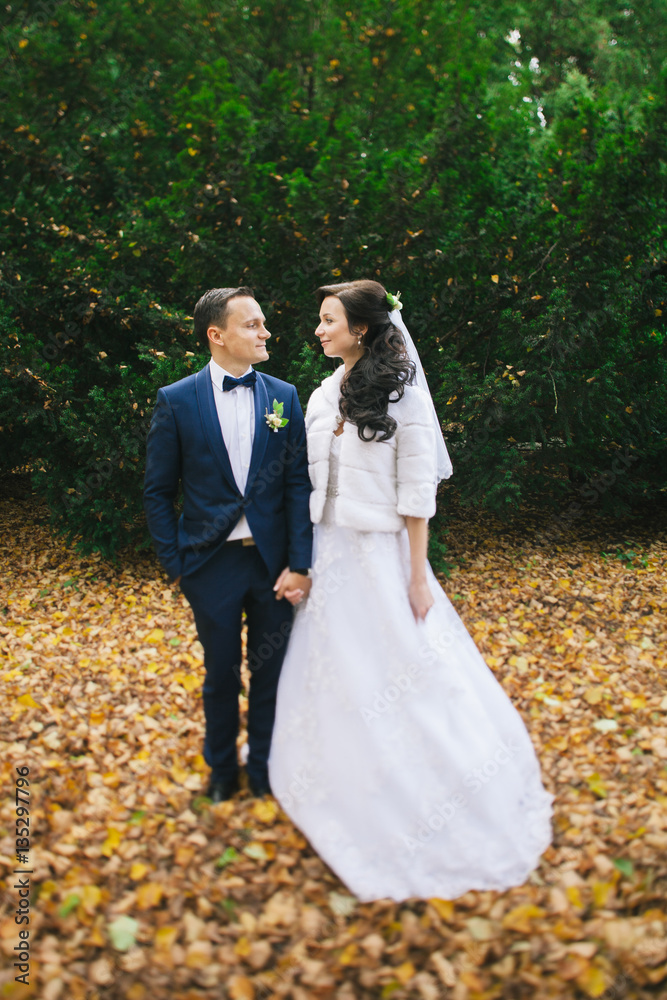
[(242, 340)]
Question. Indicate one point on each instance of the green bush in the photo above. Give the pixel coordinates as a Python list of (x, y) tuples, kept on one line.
[(511, 186)]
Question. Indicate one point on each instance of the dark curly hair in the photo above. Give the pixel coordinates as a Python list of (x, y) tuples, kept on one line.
[(384, 369)]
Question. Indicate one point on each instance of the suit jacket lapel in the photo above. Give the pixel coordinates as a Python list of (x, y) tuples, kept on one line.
[(261, 438), (211, 425)]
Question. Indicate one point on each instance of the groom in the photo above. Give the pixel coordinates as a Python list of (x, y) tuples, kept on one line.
[(243, 541)]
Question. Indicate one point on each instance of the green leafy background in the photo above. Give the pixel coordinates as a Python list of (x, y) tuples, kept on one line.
[(502, 165)]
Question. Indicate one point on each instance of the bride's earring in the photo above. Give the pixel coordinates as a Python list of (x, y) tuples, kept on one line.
[(359, 342)]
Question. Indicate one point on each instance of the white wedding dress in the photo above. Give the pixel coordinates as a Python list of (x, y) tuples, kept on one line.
[(395, 750)]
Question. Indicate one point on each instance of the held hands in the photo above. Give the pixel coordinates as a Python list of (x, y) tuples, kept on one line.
[(421, 598), (293, 586)]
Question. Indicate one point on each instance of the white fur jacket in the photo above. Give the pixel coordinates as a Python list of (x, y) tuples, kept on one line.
[(380, 482)]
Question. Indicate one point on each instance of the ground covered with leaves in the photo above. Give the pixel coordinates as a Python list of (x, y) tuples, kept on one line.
[(139, 888)]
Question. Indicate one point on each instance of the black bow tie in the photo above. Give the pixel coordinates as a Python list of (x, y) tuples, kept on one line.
[(248, 380)]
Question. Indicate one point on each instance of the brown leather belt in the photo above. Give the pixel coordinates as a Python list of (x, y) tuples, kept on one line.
[(241, 541)]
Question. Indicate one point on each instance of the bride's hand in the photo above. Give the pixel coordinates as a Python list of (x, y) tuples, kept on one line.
[(421, 598), (299, 595)]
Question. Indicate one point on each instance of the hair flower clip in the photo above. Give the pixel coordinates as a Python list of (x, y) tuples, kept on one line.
[(395, 301)]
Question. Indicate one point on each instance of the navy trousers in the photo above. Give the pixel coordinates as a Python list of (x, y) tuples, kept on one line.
[(234, 580)]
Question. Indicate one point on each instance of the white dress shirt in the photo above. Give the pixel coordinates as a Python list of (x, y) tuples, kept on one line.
[(236, 413)]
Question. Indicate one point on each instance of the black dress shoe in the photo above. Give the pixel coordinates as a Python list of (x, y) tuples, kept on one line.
[(260, 788), (220, 791)]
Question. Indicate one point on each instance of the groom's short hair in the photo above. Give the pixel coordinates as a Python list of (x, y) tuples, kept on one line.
[(211, 309)]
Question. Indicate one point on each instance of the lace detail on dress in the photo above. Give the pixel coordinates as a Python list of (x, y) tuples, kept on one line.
[(334, 468)]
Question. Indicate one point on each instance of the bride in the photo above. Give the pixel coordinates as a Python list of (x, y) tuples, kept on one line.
[(395, 750)]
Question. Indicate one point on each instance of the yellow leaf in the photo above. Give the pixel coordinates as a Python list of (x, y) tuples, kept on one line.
[(179, 774), (114, 838), (471, 980), (240, 988), (97, 717), (138, 871), (155, 635), (199, 955), (594, 695), (191, 683), (256, 850), (349, 954), (443, 907), (494, 279), (638, 702), (96, 938), (91, 896), (184, 855), (519, 919), (592, 981), (243, 947), (27, 701), (573, 893), (265, 810), (597, 785), (165, 937), (601, 892), (404, 972), (23, 43), (149, 895)]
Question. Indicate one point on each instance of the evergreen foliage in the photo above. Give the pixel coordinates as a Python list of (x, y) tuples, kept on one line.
[(502, 165)]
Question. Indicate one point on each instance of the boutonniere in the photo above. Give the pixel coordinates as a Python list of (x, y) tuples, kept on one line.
[(276, 420)]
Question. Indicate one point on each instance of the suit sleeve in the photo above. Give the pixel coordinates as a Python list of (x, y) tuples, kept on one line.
[(163, 473), (415, 458), (297, 491)]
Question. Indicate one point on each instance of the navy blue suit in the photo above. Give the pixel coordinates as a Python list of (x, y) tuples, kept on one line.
[(185, 447)]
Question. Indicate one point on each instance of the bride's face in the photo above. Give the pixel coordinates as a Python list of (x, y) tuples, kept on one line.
[(333, 330)]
